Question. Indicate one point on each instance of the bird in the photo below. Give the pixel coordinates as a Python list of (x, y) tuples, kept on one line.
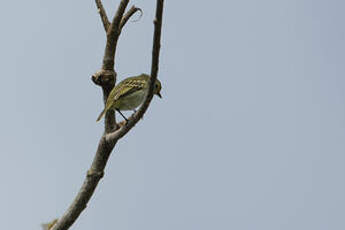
[(129, 94)]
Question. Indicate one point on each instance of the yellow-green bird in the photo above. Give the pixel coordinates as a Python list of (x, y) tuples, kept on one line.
[(129, 94)]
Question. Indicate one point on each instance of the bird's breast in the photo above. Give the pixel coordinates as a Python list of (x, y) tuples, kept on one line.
[(131, 101)]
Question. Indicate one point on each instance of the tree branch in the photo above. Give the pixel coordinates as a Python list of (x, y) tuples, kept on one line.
[(113, 36), (129, 14), (93, 176), (103, 15), (106, 78)]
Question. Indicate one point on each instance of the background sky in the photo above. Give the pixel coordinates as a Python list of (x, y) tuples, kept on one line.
[(249, 134)]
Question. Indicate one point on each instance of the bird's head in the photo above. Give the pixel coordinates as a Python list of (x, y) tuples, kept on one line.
[(157, 88)]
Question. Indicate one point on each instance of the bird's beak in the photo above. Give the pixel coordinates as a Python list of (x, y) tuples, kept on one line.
[(159, 95)]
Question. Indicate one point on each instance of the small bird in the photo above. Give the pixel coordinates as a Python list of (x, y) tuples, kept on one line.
[(129, 94)]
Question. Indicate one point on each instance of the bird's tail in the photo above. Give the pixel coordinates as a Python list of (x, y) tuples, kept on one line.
[(101, 115)]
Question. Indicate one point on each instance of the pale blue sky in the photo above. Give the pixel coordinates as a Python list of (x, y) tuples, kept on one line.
[(249, 134)]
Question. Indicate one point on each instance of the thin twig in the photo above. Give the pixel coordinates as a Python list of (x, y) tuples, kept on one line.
[(103, 15), (129, 14)]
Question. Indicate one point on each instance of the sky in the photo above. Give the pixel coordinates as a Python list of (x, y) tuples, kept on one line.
[(249, 133)]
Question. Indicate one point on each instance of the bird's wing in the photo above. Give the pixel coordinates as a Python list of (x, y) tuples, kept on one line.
[(129, 88), (124, 89)]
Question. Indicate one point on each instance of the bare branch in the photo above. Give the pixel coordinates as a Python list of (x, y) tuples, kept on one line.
[(115, 136), (106, 79), (103, 15), (113, 33), (109, 139), (129, 14), (113, 36), (93, 176)]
